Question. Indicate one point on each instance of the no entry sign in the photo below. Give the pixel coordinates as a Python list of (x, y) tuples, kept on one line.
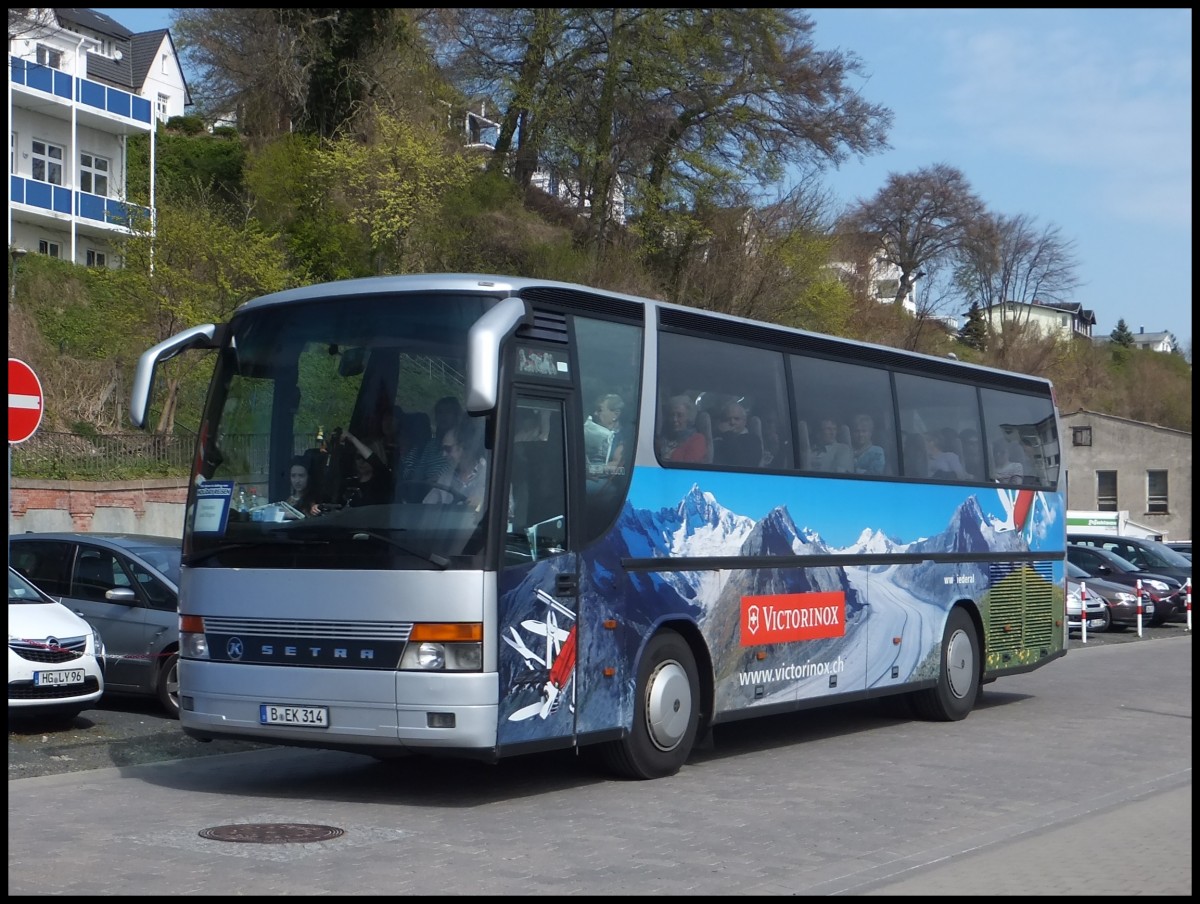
[(24, 401)]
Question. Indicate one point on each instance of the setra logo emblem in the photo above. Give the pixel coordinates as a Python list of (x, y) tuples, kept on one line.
[(234, 648)]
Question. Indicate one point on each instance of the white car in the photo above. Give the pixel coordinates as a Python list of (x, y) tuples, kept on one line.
[(55, 658)]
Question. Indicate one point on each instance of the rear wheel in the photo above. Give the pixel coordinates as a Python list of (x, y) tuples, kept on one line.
[(958, 677), (167, 689), (666, 712)]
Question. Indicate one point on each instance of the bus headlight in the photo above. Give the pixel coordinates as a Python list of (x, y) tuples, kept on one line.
[(454, 647), (443, 657)]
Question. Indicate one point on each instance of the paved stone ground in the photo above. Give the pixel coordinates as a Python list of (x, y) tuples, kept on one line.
[(1074, 779)]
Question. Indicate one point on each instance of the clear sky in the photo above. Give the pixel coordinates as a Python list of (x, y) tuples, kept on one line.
[(1077, 119)]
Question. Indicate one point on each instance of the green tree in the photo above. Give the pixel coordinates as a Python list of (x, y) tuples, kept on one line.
[(390, 187), (973, 333), (680, 105), (1122, 335), (197, 268)]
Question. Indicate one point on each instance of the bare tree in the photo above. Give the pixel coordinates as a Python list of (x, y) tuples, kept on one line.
[(917, 221), (1008, 259), (30, 24)]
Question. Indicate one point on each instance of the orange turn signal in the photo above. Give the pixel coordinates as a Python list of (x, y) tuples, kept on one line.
[(447, 632)]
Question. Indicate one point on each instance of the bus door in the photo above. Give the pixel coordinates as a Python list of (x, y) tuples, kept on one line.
[(538, 580)]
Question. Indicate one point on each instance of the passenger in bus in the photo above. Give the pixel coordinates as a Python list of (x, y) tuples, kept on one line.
[(943, 463), (868, 457), (466, 479), (604, 442), (532, 426), (303, 496), (374, 483), (733, 443), (1004, 470), (828, 454), (972, 452), (680, 440), (434, 463)]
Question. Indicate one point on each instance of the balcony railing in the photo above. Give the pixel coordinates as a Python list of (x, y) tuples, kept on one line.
[(59, 199), (66, 87)]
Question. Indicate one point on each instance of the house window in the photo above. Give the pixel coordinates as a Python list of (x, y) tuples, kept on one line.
[(96, 258), (12, 152), (52, 249), (162, 107), (1081, 436), (1106, 491), (1156, 492), (47, 162), (887, 288), (48, 56), (93, 174)]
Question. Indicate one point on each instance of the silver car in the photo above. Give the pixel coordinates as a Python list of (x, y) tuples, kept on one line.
[(127, 586)]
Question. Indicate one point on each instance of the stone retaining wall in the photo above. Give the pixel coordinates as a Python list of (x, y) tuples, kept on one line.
[(129, 506)]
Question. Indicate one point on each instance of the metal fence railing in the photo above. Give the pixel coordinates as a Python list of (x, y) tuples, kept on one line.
[(73, 456)]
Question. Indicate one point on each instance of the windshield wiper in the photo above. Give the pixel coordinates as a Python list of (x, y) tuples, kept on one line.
[(274, 541), (432, 558), (328, 531)]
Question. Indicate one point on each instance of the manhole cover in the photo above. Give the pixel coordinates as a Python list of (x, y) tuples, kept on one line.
[(272, 833)]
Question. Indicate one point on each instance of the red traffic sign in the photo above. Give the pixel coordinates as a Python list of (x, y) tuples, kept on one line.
[(24, 401)]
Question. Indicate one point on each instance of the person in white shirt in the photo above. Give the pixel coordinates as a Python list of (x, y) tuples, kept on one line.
[(603, 441)]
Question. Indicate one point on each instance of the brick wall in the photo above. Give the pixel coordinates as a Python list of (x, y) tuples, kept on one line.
[(131, 506)]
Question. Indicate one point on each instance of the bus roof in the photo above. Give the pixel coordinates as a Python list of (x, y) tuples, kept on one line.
[(502, 286)]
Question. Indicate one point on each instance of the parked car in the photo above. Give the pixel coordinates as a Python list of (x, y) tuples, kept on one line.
[(1183, 547), (1097, 611), (1119, 600), (55, 658), (127, 585), (1164, 591), (1148, 555)]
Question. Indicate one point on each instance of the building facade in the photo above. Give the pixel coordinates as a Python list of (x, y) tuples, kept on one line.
[(1065, 319), (1115, 464), (80, 85)]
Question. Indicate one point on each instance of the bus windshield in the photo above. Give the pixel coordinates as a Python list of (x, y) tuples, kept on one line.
[(335, 436)]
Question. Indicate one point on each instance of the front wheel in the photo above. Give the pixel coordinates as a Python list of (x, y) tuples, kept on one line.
[(666, 712), (958, 676), (167, 689)]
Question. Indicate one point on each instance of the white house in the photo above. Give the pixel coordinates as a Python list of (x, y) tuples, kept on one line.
[(1155, 342), (80, 84), (1067, 319)]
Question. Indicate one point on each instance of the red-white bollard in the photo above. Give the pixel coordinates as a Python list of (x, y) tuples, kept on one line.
[(1083, 619), (1188, 588), (1138, 590)]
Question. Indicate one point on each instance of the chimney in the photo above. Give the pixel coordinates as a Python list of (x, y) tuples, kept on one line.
[(1141, 329)]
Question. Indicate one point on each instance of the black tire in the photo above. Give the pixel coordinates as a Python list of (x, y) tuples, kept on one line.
[(957, 686), (1107, 619), (666, 713), (167, 687)]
